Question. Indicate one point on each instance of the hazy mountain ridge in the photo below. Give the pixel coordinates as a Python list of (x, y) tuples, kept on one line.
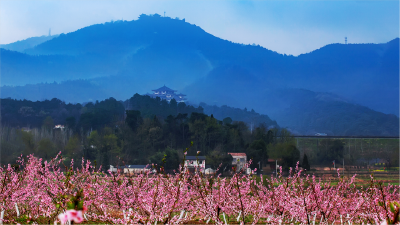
[(330, 114), (123, 57), (250, 117), (21, 46)]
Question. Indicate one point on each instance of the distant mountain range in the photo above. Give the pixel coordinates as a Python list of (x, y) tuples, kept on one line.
[(305, 93), (21, 46)]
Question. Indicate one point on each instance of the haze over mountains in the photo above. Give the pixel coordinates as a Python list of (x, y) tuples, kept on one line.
[(28, 43), (313, 92)]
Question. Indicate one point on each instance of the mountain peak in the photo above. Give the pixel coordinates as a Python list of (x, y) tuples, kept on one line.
[(122, 36)]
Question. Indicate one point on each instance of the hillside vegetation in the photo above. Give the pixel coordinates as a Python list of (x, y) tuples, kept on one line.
[(138, 131), (114, 58)]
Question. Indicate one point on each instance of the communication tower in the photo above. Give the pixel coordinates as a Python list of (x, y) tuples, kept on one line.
[(49, 32), (345, 40)]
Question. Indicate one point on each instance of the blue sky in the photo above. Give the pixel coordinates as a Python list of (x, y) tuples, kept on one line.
[(290, 27)]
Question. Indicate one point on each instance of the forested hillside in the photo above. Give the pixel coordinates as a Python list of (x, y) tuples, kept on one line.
[(250, 117), (150, 128)]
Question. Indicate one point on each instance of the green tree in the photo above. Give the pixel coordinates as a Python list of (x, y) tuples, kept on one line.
[(287, 154), (227, 120), (260, 133), (45, 149), (133, 119), (70, 122), (86, 121), (155, 136), (258, 153), (48, 123), (156, 122), (290, 155), (110, 150), (286, 136), (305, 163), (216, 159), (335, 151), (172, 159), (173, 104), (94, 139), (29, 142), (199, 135), (329, 150), (73, 148)]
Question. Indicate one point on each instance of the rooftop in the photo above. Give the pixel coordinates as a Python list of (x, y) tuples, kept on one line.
[(164, 88), (194, 157), (237, 154), (135, 166), (273, 160)]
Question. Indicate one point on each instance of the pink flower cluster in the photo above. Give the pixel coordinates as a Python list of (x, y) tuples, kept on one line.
[(43, 193), (71, 215)]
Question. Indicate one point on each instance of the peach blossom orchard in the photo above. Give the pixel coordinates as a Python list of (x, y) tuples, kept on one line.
[(39, 192)]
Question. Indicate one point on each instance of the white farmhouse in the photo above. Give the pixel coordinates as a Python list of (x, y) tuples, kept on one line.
[(192, 162), (131, 168), (239, 160)]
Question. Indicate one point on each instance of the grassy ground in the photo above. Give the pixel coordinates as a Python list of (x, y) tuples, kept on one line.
[(362, 180)]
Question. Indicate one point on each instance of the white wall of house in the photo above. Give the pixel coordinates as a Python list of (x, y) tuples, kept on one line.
[(135, 170), (113, 169), (193, 163), (200, 164), (239, 162)]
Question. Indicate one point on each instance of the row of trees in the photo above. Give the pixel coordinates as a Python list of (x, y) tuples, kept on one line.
[(354, 151), (107, 134)]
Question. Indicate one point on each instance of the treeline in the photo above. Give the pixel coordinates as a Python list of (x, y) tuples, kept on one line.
[(248, 116), (355, 152), (25, 113), (107, 134)]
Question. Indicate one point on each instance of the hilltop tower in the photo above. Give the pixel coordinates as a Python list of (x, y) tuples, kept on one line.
[(345, 40), (49, 32)]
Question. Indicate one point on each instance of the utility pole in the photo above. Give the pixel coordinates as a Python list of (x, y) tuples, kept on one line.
[(164, 13)]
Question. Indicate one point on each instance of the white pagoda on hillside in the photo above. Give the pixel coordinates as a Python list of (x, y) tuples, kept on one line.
[(167, 94)]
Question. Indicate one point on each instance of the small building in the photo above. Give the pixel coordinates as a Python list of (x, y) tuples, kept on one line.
[(59, 126), (168, 94), (321, 134), (193, 162), (239, 160), (209, 171), (180, 97), (132, 168)]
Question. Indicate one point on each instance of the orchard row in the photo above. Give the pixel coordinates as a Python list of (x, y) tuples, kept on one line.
[(38, 192)]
